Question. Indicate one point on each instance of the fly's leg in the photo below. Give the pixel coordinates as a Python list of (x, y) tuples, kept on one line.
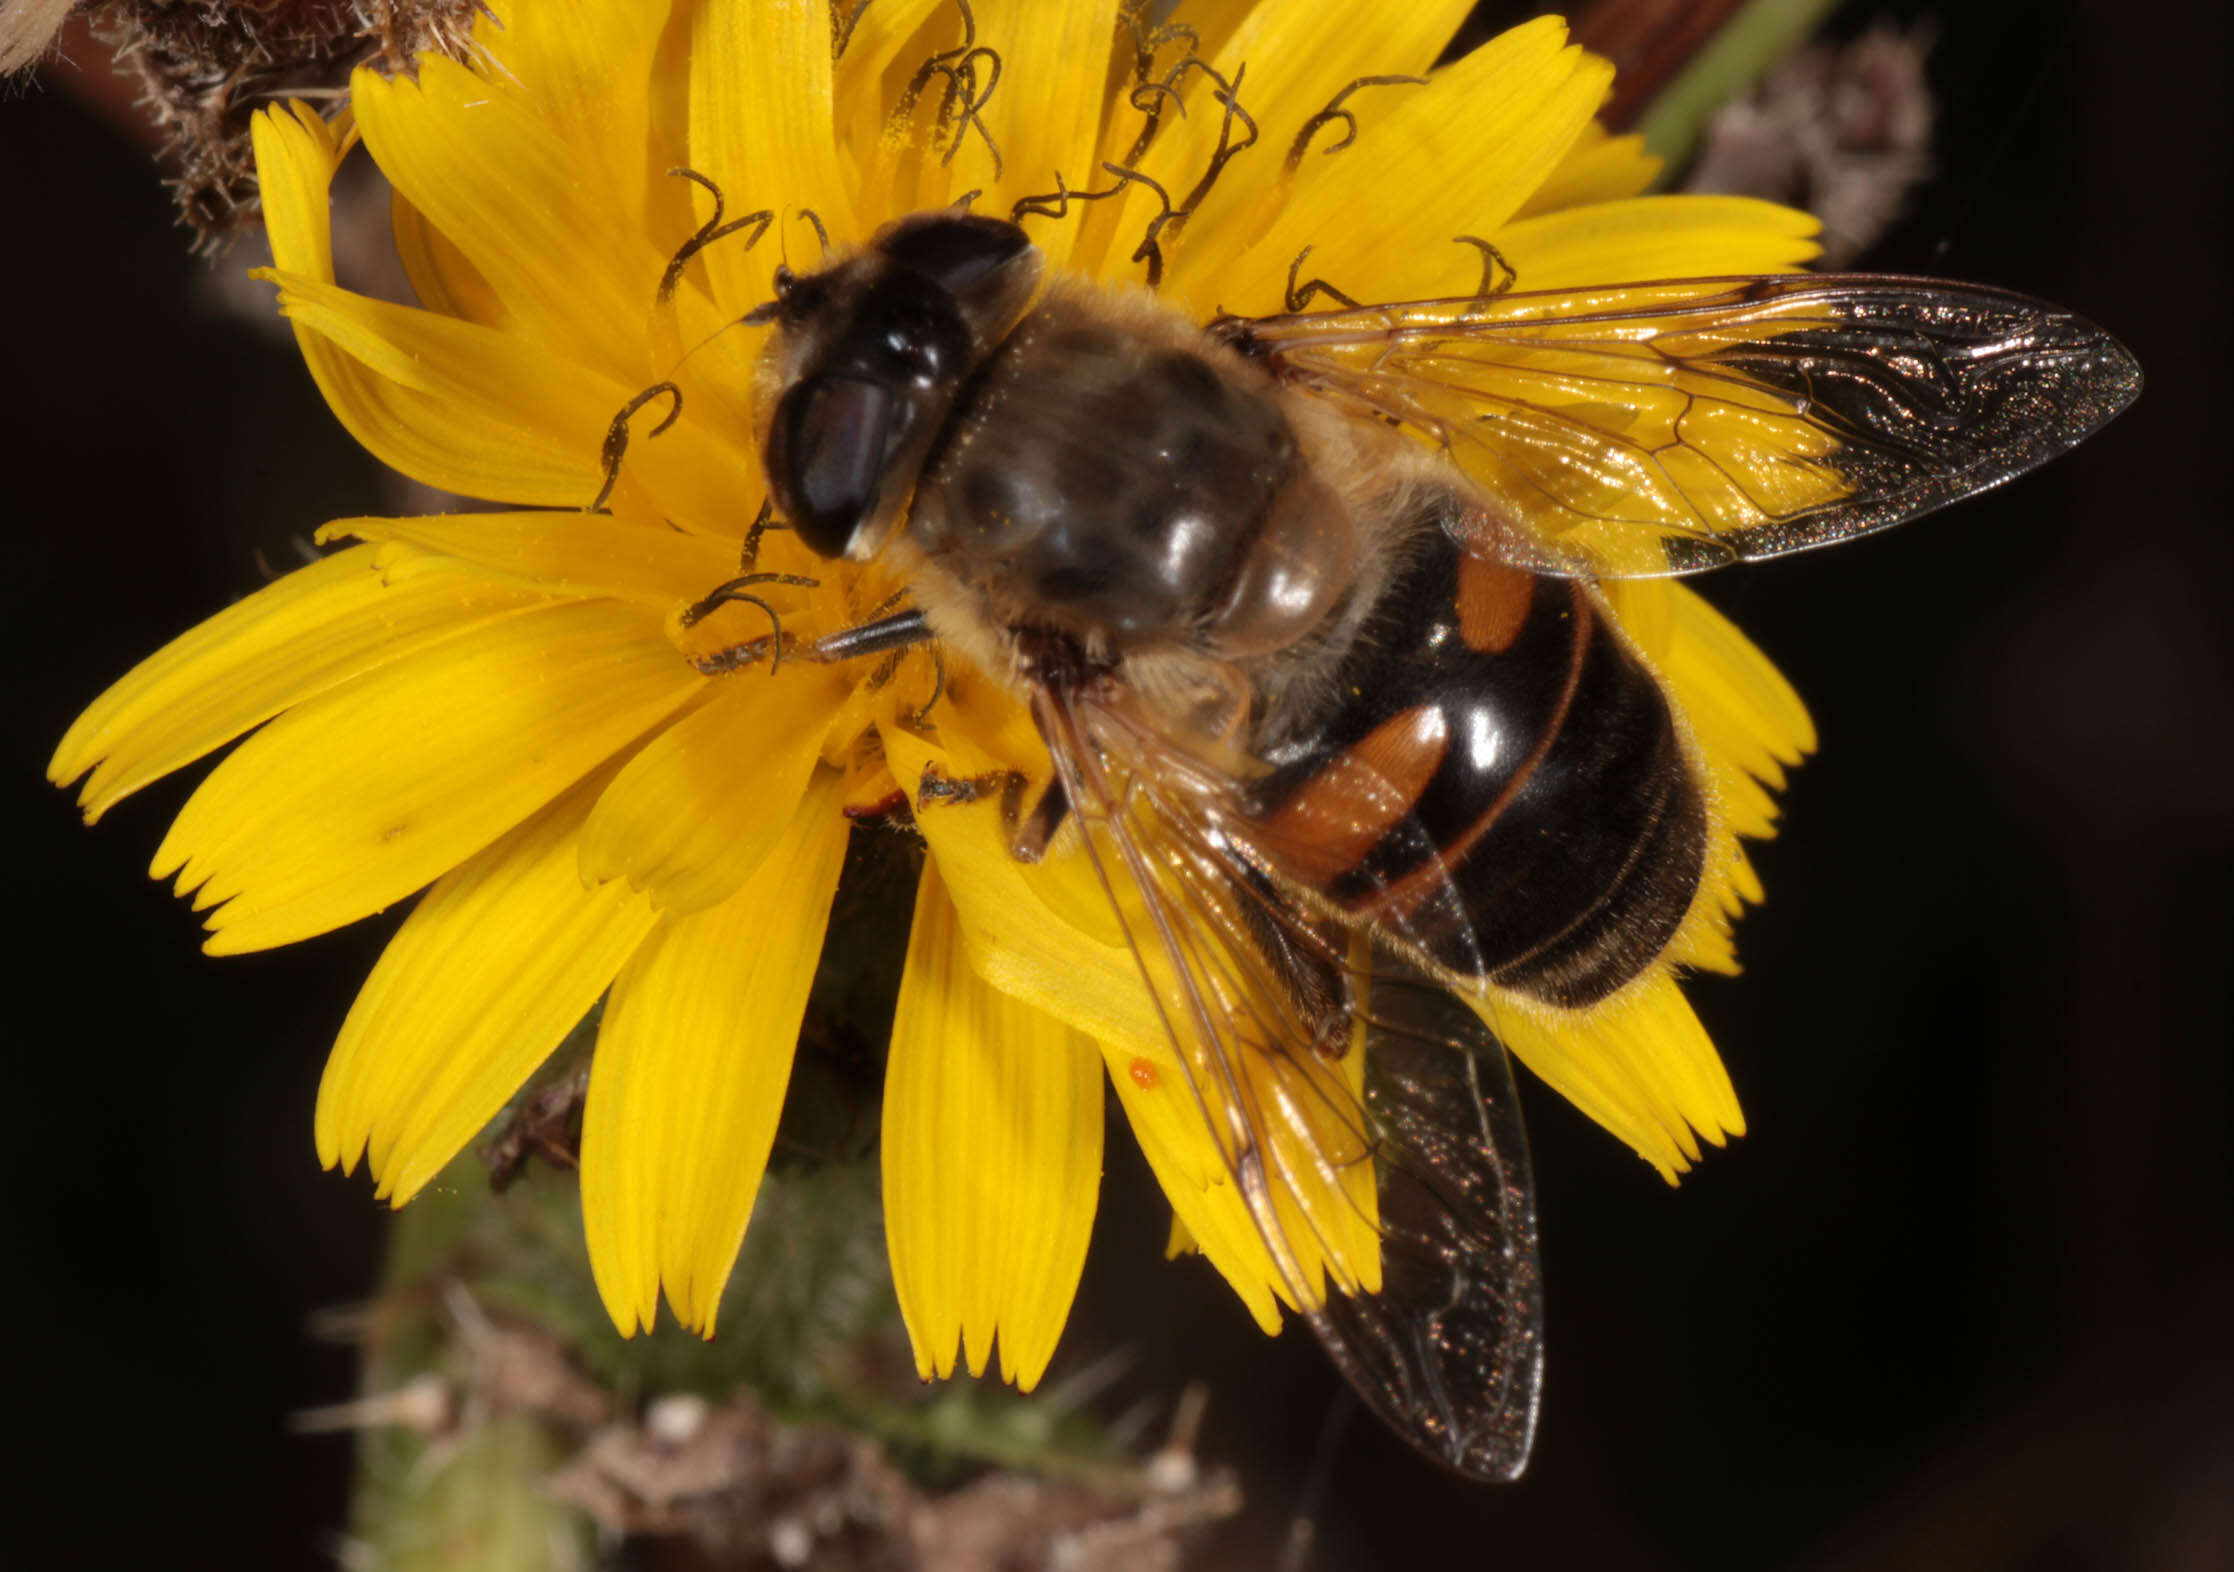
[(938, 789), (874, 637)]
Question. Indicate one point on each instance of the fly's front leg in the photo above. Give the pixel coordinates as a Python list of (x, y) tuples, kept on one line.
[(874, 637), (737, 589)]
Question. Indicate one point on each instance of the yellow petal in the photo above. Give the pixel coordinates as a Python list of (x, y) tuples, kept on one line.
[(1046, 109), (1045, 934), (566, 61), (495, 966), (688, 1080), (565, 553), (1178, 1241), (992, 1157), (762, 126), (1639, 1063), (1600, 167), (1298, 55), (695, 812), (1204, 1203), (353, 800), (1215, 21), (1457, 156), (457, 405), (1269, 1102), (1051, 932), (565, 252), (1652, 237), (290, 641), (492, 413), (1739, 704), (929, 148), (296, 154), (864, 89), (497, 414), (441, 277)]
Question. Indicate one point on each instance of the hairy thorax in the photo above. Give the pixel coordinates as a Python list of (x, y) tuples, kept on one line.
[(1113, 475)]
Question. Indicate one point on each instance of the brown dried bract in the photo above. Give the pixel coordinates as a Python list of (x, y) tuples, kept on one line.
[(752, 1491), (205, 66)]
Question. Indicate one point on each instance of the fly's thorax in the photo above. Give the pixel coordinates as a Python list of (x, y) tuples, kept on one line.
[(1113, 475)]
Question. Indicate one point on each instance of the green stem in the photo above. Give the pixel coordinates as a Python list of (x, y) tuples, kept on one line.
[(1749, 46), (472, 1501), (483, 1509)]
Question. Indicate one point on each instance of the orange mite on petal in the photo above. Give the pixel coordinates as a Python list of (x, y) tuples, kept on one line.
[(1143, 1074)]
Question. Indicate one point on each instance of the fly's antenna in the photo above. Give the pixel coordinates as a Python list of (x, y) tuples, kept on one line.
[(821, 234)]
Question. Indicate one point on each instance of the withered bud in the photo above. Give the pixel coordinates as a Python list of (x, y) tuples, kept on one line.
[(205, 66), (26, 28), (1844, 132)]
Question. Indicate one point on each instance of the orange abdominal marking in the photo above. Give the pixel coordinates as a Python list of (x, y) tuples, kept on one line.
[(1492, 603), (1331, 822)]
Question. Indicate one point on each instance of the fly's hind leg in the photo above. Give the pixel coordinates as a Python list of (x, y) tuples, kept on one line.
[(937, 789), (1028, 834)]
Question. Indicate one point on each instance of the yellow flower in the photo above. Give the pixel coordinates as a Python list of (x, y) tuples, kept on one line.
[(501, 709)]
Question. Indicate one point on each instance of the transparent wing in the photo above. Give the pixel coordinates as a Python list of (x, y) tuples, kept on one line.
[(1365, 1115), (1671, 427)]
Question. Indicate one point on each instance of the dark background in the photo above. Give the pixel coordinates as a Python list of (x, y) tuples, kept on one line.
[(1962, 1298)]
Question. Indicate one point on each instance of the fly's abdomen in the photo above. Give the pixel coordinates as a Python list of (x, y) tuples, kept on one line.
[(1542, 770)]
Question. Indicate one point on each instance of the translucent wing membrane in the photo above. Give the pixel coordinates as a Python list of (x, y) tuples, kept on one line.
[(1672, 427), (1449, 1349), (1365, 1116)]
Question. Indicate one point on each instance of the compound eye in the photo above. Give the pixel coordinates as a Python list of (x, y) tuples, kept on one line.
[(829, 452)]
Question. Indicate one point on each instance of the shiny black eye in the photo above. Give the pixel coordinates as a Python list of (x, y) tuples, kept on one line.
[(830, 448), (956, 251), (904, 330)]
